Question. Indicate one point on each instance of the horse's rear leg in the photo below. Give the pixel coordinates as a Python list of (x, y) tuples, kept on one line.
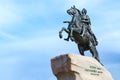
[(81, 51), (94, 52)]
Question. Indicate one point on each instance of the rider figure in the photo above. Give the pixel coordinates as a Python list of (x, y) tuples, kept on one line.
[(86, 24)]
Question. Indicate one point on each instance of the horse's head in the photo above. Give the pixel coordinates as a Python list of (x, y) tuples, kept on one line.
[(73, 10)]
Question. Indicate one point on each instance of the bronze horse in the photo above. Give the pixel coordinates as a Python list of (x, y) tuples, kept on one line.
[(77, 33)]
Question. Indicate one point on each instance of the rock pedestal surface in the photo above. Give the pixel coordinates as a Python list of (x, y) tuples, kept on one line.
[(77, 67)]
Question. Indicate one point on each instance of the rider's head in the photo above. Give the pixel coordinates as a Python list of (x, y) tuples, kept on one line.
[(84, 11)]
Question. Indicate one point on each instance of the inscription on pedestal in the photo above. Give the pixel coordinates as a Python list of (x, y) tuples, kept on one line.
[(94, 70)]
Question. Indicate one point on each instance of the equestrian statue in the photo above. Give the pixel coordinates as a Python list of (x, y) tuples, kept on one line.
[(79, 31)]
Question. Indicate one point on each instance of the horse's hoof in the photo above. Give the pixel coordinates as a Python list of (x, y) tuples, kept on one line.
[(60, 36), (66, 39)]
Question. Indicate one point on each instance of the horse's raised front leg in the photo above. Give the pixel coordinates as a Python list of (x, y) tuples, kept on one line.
[(63, 29), (60, 34)]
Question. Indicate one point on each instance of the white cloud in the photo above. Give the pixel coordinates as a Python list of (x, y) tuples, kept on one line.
[(110, 41), (10, 60), (110, 36), (13, 12), (108, 16), (8, 13), (43, 45), (7, 36), (115, 70)]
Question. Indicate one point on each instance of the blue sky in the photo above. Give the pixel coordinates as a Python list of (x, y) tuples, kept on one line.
[(29, 35)]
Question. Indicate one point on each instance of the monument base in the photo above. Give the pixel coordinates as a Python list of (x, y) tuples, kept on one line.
[(77, 67)]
